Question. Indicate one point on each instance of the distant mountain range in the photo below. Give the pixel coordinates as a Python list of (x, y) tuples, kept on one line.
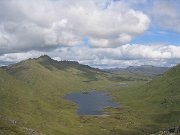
[(144, 70)]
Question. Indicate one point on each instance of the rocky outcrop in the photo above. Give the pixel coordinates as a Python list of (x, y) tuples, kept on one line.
[(172, 131), (10, 126)]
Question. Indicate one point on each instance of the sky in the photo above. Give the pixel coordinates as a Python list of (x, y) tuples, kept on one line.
[(99, 33)]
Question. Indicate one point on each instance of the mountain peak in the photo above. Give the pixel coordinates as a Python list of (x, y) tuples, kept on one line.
[(44, 57)]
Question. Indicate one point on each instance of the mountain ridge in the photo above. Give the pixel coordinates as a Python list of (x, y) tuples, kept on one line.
[(143, 70), (48, 62)]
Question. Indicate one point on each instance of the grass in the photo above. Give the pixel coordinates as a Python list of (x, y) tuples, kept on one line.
[(155, 105), (32, 95)]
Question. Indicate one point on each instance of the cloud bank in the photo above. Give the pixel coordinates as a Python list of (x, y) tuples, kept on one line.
[(26, 25), (99, 33), (123, 56)]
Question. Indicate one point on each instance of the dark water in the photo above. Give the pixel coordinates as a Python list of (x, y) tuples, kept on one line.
[(91, 103)]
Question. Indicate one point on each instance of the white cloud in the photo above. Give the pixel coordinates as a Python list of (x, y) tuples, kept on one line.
[(59, 26), (125, 52), (17, 57), (26, 25), (165, 13), (126, 55), (123, 56)]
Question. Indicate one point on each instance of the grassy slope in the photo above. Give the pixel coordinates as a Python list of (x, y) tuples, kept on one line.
[(39, 87), (42, 90), (155, 105), (14, 104)]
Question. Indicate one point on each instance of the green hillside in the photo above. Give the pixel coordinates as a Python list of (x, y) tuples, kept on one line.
[(32, 91), (155, 105), (38, 86), (16, 105)]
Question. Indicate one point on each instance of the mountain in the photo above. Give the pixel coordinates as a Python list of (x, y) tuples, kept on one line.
[(49, 63), (165, 88), (44, 65), (147, 70), (144, 70), (31, 96), (156, 104), (32, 100)]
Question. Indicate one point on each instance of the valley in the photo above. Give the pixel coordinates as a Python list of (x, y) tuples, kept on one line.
[(32, 99)]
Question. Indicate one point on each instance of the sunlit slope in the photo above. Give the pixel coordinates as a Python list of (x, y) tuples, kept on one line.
[(155, 105), (16, 104), (32, 94), (44, 73), (163, 92)]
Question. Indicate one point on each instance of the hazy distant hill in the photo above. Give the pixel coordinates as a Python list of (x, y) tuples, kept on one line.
[(144, 70)]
